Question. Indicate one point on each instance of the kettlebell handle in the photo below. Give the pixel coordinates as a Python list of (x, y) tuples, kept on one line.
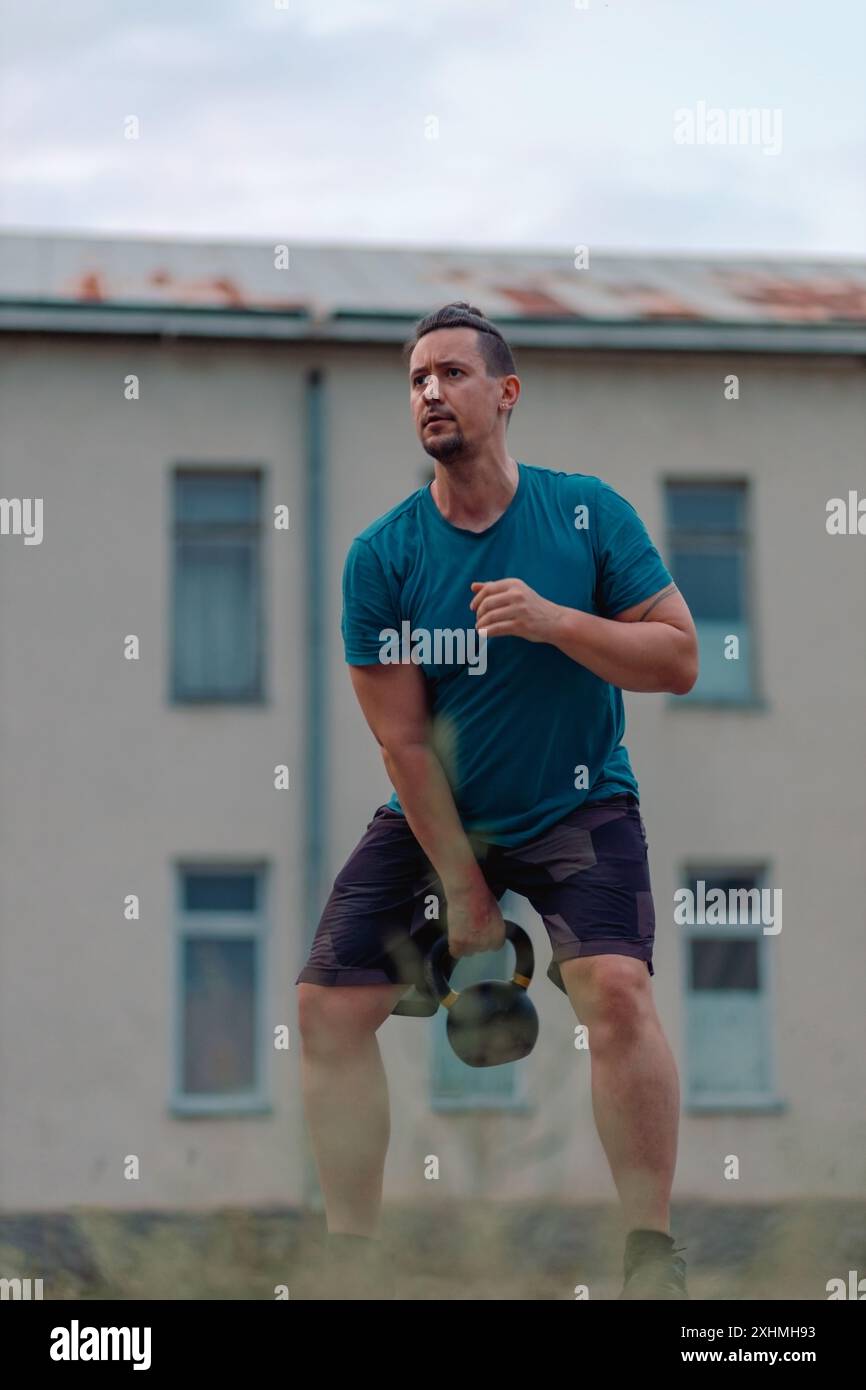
[(524, 964)]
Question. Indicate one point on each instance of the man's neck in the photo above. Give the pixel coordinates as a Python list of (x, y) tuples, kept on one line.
[(473, 495)]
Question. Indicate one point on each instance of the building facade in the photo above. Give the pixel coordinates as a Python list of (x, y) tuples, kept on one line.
[(186, 767)]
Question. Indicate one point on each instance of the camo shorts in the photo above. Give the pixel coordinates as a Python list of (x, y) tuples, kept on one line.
[(587, 877)]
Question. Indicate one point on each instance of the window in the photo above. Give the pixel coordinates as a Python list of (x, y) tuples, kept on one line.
[(708, 548), (728, 1054), (221, 970), (453, 1084), (216, 607)]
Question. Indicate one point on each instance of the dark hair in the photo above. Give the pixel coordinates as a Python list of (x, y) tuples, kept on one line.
[(497, 355)]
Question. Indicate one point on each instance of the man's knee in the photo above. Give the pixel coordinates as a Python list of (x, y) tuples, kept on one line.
[(611, 994), (334, 1017)]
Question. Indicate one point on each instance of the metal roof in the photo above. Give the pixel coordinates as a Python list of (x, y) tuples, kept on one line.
[(362, 293)]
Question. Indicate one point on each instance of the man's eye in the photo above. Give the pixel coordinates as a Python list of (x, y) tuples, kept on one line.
[(455, 369)]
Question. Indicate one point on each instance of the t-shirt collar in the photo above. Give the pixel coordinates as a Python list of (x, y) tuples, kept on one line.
[(517, 498)]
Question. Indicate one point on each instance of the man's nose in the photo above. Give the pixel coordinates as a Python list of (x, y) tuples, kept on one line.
[(431, 390)]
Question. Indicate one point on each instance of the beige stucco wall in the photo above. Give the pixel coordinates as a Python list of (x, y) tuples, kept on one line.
[(105, 784)]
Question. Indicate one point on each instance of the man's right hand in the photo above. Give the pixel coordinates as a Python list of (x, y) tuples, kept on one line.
[(475, 923)]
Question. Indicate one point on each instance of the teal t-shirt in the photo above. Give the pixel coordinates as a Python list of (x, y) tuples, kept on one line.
[(514, 722)]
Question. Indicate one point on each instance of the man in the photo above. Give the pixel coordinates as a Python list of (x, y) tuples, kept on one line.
[(509, 771)]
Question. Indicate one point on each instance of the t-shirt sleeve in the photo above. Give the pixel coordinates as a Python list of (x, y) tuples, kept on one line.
[(630, 568), (368, 605)]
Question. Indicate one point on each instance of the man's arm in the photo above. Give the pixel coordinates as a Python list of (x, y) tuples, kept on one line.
[(393, 699), (651, 646)]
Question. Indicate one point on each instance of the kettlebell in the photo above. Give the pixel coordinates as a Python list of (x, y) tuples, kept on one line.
[(493, 1021)]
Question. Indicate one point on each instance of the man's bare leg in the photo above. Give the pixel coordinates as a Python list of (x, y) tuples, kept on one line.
[(635, 1089), (346, 1097)]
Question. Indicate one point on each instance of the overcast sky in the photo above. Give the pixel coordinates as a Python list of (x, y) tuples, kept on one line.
[(555, 122)]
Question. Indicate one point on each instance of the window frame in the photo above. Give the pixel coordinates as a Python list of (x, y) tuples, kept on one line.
[(248, 926), (754, 698), (258, 694), (731, 1102)]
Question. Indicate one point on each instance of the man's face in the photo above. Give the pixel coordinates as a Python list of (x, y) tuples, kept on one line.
[(454, 401)]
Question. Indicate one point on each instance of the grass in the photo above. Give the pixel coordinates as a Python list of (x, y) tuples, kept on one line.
[(463, 1251)]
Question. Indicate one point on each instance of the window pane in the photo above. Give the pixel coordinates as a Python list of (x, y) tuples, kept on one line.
[(726, 882), (216, 498), (720, 677), (216, 617), (708, 565), (728, 1025), (722, 963), (710, 582), (695, 508), (727, 1046), (210, 892), (219, 1016)]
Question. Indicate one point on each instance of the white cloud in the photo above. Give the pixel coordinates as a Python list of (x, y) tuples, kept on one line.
[(555, 125)]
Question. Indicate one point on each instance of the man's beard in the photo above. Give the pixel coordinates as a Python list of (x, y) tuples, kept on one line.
[(445, 449)]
